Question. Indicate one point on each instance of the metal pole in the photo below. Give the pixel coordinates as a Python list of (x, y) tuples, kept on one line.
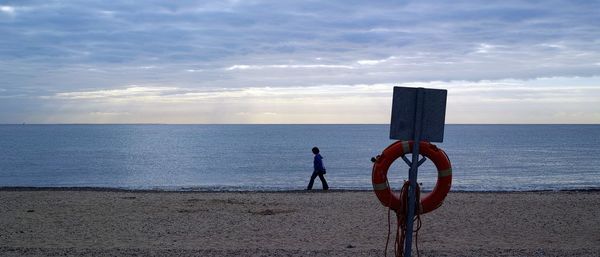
[(412, 175)]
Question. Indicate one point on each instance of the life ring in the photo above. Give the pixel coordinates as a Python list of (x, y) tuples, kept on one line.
[(382, 163)]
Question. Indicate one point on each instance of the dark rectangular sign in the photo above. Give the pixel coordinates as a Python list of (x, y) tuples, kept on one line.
[(404, 112)]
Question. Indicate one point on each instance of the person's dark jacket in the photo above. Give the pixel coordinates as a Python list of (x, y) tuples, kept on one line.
[(318, 164)]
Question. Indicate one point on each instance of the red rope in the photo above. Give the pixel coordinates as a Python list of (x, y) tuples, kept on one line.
[(401, 222), (387, 240)]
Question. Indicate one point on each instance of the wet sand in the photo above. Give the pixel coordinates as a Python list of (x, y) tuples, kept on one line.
[(334, 223)]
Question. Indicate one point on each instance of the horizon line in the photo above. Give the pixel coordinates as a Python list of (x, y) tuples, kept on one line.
[(156, 123)]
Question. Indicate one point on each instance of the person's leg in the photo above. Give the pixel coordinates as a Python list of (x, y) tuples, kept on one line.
[(323, 181), (312, 180)]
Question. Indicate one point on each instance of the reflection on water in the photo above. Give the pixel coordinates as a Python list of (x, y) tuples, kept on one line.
[(278, 157)]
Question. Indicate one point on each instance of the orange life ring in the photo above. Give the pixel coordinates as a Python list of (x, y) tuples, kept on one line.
[(382, 163)]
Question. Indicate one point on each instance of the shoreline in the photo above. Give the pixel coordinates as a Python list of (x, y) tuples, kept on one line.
[(209, 190)]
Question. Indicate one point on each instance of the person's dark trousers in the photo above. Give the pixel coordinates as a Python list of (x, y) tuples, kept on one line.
[(312, 180)]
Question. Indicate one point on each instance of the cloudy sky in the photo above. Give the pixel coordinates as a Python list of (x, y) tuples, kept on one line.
[(296, 61)]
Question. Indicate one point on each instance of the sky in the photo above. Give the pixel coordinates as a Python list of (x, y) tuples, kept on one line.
[(296, 61)]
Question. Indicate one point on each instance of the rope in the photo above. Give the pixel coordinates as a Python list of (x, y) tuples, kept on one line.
[(401, 222), (387, 240)]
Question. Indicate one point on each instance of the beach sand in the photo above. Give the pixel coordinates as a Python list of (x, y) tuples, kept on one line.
[(334, 223)]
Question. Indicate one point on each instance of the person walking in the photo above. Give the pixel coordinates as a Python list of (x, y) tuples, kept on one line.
[(319, 170)]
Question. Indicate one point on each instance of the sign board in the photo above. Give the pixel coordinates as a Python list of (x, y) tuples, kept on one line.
[(404, 113)]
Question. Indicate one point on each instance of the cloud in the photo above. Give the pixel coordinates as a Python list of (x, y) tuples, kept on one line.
[(109, 113), (7, 9), (545, 100), (288, 66), (485, 48), (375, 62), (152, 94), (87, 51), (128, 92)]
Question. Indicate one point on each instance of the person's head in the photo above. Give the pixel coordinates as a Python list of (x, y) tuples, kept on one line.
[(315, 150)]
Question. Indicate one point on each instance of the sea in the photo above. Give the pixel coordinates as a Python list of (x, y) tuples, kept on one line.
[(279, 157)]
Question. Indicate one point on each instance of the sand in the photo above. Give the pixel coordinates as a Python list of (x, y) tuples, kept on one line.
[(334, 223)]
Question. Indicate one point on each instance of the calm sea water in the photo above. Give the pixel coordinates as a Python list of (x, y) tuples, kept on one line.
[(278, 157)]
